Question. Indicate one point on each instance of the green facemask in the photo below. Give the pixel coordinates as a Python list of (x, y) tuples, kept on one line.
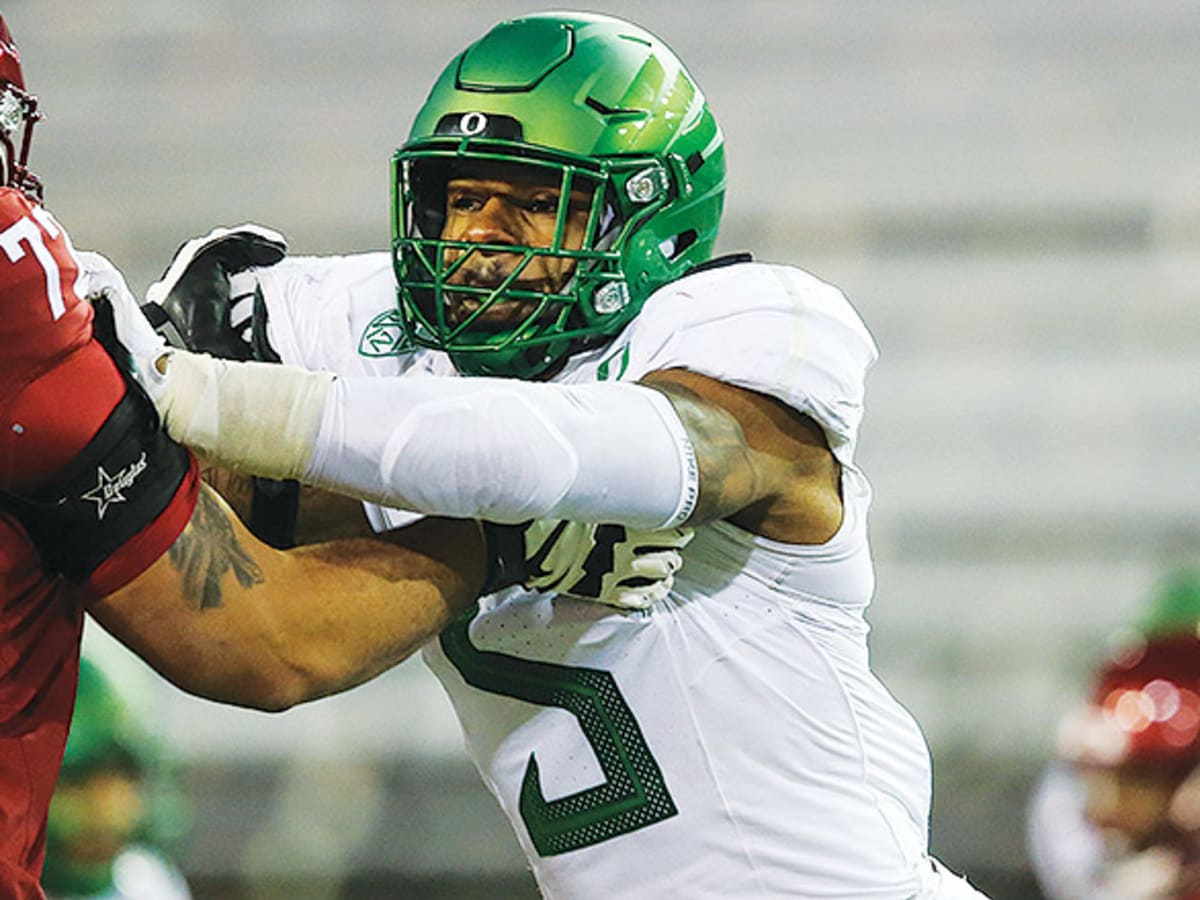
[(603, 113)]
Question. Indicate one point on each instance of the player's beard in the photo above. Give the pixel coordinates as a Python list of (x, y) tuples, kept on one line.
[(487, 273)]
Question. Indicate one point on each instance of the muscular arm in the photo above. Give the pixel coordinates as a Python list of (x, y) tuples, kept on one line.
[(226, 617), (763, 466), (680, 448)]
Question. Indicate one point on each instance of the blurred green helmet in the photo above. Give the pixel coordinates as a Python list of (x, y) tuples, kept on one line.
[(104, 741), (104, 734), (606, 113), (115, 789), (1174, 606)]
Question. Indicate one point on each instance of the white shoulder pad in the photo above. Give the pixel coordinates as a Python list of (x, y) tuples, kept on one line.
[(772, 329)]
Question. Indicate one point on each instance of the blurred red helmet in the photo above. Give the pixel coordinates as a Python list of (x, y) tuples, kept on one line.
[(10, 59), (18, 113), (1144, 708)]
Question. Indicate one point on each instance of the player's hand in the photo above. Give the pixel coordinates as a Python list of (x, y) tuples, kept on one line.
[(608, 564), (208, 301), (120, 326)]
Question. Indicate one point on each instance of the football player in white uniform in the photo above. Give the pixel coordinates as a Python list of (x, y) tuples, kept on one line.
[(555, 211)]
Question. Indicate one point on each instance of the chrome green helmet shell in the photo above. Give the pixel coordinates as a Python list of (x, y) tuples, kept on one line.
[(603, 107)]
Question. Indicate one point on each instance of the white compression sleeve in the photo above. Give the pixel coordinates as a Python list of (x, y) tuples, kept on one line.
[(487, 448), (508, 450)]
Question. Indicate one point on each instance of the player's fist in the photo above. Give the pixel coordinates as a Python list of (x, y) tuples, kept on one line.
[(610, 564), (119, 324), (194, 305)]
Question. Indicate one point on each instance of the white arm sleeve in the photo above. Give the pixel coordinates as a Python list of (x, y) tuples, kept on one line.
[(486, 448), (508, 450)]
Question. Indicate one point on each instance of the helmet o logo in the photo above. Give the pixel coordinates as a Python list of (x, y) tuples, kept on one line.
[(473, 123)]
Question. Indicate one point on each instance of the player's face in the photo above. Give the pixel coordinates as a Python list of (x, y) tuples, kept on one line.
[(1129, 802), (513, 206)]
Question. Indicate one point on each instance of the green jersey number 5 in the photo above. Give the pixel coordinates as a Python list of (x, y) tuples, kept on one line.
[(633, 793)]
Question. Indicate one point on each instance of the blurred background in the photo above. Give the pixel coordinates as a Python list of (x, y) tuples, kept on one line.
[(1010, 194)]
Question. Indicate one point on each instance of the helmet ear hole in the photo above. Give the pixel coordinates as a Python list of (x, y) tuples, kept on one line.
[(428, 186), (675, 246)]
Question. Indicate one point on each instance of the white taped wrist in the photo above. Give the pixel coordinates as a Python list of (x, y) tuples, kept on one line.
[(250, 417)]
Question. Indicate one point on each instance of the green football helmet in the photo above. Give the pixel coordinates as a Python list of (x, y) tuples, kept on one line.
[(602, 110), (1174, 606), (105, 742), (104, 738)]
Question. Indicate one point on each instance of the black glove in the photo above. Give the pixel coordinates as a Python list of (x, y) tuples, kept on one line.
[(194, 306), (191, 306)]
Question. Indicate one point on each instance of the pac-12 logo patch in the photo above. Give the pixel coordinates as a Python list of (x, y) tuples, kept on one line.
[(384, 336)]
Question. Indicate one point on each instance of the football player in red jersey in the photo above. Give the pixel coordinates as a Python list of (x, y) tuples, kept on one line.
[(1116, 816), (92, 498), (100, 512)]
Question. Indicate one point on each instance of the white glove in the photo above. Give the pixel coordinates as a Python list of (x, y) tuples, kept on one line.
[(608, 564), (181, 384), (142, 345)]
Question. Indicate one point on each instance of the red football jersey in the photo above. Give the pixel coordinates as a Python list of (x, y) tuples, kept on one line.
[(57, 387)]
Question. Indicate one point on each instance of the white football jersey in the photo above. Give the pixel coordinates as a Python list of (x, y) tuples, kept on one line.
[(730, 742)]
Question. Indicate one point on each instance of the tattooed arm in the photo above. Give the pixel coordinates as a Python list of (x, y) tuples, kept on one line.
[(763, 466), (224, 616)]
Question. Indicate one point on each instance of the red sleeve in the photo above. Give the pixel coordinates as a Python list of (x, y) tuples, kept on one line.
[(46, 426), (59, 384), (43, 325), (41, 316)]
